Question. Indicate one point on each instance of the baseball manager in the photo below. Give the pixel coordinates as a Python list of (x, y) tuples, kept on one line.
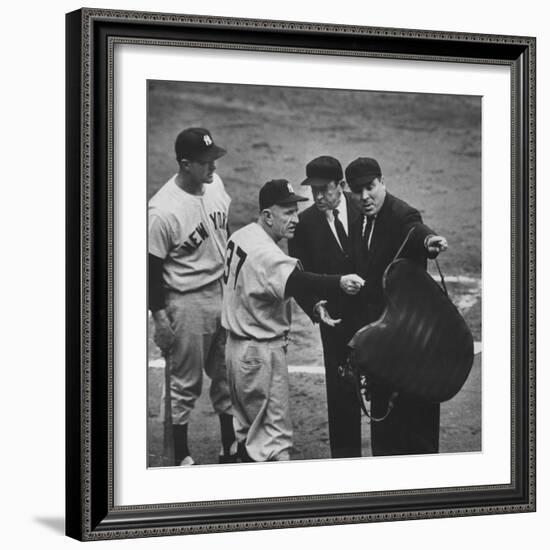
[(259, 281)]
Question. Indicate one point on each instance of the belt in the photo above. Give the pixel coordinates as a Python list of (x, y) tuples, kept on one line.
[(274, 339)]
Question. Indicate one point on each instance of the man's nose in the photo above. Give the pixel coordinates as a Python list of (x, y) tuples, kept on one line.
[(364, 193)]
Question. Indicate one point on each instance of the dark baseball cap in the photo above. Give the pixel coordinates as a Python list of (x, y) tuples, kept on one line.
[(278, 192), (197, 145), (362, 170), (323, 170)]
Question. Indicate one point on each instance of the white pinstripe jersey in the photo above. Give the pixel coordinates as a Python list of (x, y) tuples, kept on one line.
[(255, 277), (189, 232)]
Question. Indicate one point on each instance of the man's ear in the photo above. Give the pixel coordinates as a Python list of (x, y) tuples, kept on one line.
[(183, 164), (267, 216)]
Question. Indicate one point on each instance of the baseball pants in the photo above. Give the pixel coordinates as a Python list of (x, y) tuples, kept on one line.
[(258, 382), (199, 345)]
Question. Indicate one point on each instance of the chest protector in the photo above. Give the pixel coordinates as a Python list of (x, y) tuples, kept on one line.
[(420, 347)]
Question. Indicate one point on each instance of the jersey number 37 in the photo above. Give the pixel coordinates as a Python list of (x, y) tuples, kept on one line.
[(230, 252)]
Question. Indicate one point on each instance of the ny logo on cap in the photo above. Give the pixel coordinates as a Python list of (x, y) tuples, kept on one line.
[(207, 140), (289, 187)]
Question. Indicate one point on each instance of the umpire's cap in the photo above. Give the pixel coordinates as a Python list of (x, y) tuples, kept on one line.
[(362, 171), (278, 192), (323, 170), (197, 145)]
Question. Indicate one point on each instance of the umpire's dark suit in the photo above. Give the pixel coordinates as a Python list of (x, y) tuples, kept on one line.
[(317, 248), (412, 427)]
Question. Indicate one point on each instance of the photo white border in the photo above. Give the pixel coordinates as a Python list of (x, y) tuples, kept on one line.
[(133, 482)]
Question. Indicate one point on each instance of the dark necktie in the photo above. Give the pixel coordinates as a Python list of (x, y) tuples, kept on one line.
[(367, 234), (340, 231)]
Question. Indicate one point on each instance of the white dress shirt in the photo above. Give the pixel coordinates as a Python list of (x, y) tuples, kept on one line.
[(342, 216), (363, 229)]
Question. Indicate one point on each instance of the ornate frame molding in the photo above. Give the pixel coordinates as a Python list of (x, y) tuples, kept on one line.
[(91, 36)]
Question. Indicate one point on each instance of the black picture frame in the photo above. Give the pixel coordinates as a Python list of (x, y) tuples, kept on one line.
[(90, 512)]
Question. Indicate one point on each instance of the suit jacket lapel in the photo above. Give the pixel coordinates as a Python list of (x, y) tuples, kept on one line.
[(353, 211), (327, 236)]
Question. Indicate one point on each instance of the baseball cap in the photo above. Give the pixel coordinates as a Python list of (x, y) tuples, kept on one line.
[(278, 192), (197, 145), (323, 170), (362, 170)]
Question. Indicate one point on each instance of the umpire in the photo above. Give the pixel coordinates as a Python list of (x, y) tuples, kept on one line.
[(412, 427), (321, 242)]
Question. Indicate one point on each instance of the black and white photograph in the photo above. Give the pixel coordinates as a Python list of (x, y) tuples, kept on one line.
[(314, 275), (300, 274), (271, 275)]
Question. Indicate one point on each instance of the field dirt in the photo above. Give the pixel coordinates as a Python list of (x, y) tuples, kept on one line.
[(460, 420), (429, 148)]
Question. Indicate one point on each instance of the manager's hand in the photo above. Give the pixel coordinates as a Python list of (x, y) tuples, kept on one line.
[(324, 316), (351, 284)]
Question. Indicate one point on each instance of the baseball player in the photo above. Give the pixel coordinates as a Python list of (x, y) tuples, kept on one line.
[(259, 281), (187, 240)]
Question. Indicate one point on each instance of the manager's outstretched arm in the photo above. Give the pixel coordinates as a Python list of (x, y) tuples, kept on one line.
[(302, 285)]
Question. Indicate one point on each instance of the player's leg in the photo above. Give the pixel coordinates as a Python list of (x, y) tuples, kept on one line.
[(249, 381), (219, 395), (186, 360), (277, 424), (234, 350), (215, 368)]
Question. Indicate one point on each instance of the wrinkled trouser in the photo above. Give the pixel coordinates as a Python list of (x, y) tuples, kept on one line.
[(343, 406), (258, 382), (199, 345), (411, 428)]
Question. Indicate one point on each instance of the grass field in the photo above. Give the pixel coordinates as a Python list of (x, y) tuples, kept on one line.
[(429, 148)]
